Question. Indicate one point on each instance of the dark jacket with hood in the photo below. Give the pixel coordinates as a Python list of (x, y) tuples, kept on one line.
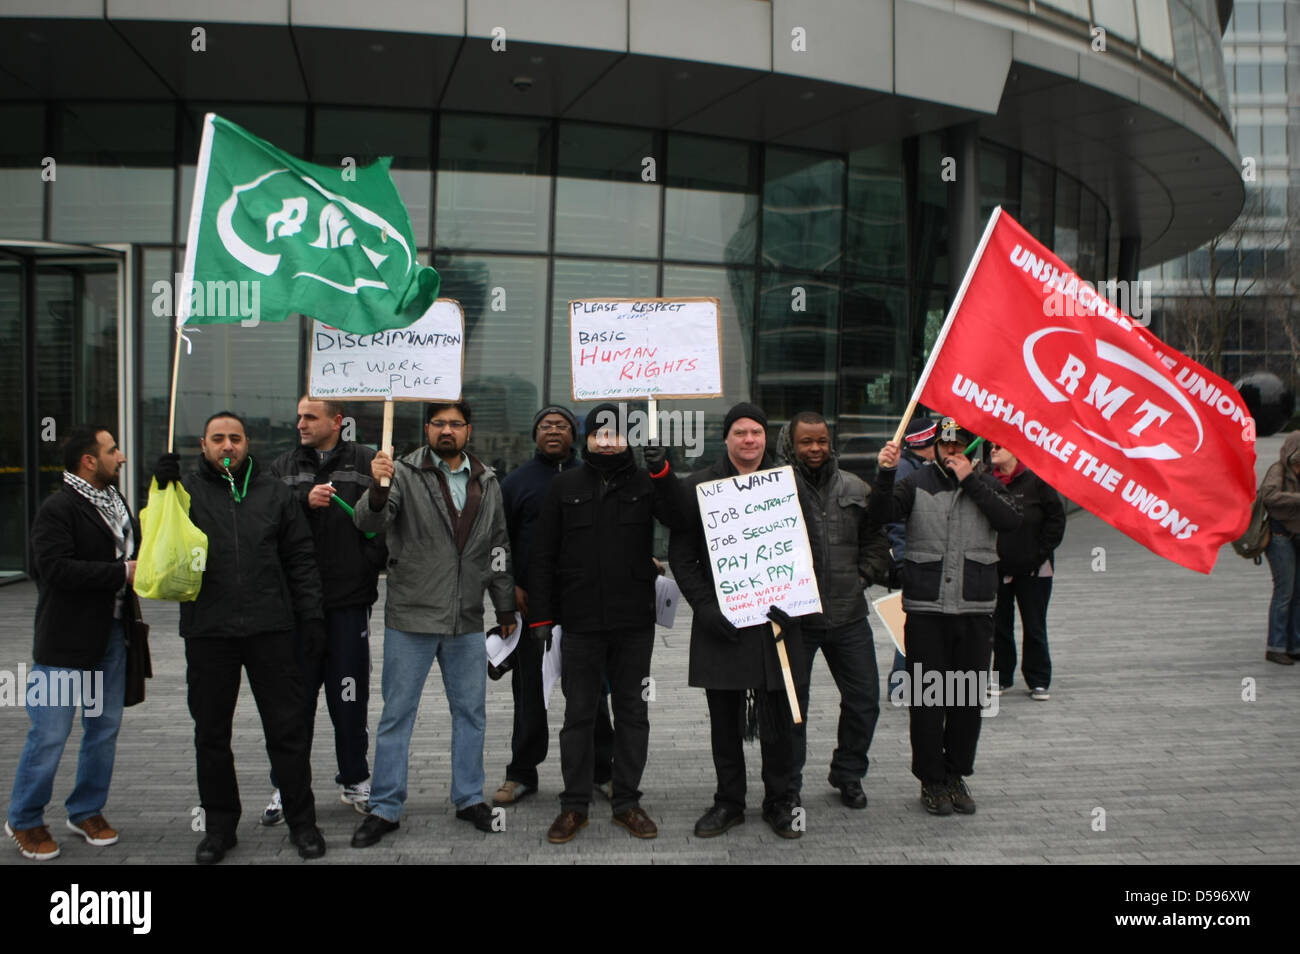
[(1280, 489), (349, 563), (592, 568), (260, 575), (951, 562), (723, 657), (849, 552), (78, 575), (522, 492), (1022, 551)]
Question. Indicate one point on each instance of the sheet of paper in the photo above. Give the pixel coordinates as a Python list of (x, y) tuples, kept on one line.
[(667, 596), (497, 648), (551, 667), (890, 610)]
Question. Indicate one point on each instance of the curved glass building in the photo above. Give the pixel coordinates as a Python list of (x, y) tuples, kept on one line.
[(822, 167)]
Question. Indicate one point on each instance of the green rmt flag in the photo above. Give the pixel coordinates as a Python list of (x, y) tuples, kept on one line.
[(334, 243)]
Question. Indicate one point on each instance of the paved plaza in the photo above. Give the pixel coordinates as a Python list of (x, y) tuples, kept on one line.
[(1165, 723)]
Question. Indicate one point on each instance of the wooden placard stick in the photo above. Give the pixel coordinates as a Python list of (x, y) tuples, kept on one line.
[(790, 694), (386, 444)]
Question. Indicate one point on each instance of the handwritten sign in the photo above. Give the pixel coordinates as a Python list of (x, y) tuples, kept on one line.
[(645, 347), (758, 546), (421, 362)]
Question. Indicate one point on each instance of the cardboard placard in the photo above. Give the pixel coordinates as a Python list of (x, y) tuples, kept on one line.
[(422, 362), (758, 545), (645, 347)]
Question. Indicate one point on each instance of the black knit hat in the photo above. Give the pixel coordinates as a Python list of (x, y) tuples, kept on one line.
[(743, 409), (564, 412), (604, 413)]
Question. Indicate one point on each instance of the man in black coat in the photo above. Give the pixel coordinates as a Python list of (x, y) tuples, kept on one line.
[(728, 662), (522, 492), (592, 573), (83, 542), (327, 476), (260, 584)]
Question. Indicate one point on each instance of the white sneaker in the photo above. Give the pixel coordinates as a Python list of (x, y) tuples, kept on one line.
[(357, 796), (274, 813), (1042, 695)]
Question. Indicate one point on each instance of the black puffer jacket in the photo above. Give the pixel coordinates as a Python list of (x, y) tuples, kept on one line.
[(592, 567), (1022, 552), (261, 564), (349, 563), (722, 658)]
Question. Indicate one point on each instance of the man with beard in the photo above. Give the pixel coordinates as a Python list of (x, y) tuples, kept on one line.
[(738, 669), (523, 490), (593, 574), (953, 512), (259, 583), (447, 543), (849, 554)]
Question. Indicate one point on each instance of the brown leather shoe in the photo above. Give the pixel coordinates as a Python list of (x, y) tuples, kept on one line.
[(95, 830), (34, 843), (565, 828), (637, 822), (1282, 659)]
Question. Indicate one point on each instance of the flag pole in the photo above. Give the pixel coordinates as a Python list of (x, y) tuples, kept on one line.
[(947, 323), (183, 293)]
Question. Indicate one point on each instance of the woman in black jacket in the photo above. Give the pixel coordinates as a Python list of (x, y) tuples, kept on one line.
[(1025, 566)]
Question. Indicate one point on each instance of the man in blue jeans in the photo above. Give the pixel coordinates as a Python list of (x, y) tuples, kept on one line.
[(83, 546), (447, 542)]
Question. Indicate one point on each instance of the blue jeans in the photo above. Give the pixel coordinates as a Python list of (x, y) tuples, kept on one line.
[(407, 660), (1284, 610), (51, 724)]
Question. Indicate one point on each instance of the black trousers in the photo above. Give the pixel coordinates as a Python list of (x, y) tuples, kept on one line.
[(851, 657), (945, 735), (776, 747), (622, 656), (1031, 594), (530, 738), (213, 673), (344, 672)]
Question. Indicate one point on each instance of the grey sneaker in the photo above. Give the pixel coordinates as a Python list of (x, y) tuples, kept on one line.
[(356, 795), (274, 813), (1039, 693)]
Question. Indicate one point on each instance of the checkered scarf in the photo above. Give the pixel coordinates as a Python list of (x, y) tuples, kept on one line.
[(111, 507)]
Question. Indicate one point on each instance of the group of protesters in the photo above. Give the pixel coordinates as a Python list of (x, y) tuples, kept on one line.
[(563, 547)]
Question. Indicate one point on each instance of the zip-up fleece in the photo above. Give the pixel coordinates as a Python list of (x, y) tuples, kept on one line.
[(260, 575), (951, 561), (434, 587)]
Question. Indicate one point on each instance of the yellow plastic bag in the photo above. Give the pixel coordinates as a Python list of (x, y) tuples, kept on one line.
[(173, 552)]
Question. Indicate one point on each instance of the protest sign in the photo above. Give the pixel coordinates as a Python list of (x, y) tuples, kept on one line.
[(758, 545), (423, 362), (645, 347)]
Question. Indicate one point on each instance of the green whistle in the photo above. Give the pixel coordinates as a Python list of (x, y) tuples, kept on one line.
[(225, 462), (972, 445), (349, 511)]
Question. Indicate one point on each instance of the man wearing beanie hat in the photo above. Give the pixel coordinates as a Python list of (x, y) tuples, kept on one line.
[(918, 450), (592, 573), (953, 512), (732, 664), (523, 490)]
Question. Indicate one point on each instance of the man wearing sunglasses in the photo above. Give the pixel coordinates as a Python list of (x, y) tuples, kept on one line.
[(953, 513), (447, 543)]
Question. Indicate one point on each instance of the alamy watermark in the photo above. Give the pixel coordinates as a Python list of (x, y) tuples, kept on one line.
[(675, 428), (940, 688), (54, 688), (209, 299)]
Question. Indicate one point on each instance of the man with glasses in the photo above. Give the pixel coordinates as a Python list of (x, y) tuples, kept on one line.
[(523, 491), (953, 513), (447, 542)]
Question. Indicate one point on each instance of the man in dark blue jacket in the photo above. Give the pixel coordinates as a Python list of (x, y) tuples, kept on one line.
[(523, 491), (328, 475), (83, 560)]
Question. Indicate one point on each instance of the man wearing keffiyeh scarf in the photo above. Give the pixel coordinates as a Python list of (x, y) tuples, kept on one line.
[(83, 542)]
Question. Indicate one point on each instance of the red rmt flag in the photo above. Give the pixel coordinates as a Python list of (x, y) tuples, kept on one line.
[(1031, 357)]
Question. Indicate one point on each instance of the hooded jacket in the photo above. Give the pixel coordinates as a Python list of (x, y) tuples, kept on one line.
[(349, 563), (1022, 552), (849, 552), (952, 527), (522, 491), (435, 584), (721, 657), (1280, 489)]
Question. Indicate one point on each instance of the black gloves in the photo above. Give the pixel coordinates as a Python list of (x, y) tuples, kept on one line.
[(542, 632), (780, 617), (312, 634), (656, 459), (717, 623), (167, 469)]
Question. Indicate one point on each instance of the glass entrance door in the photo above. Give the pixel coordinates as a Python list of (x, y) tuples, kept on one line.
[(60, 318)]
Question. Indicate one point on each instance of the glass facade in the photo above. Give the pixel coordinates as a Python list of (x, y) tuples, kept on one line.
[(831, 270)]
